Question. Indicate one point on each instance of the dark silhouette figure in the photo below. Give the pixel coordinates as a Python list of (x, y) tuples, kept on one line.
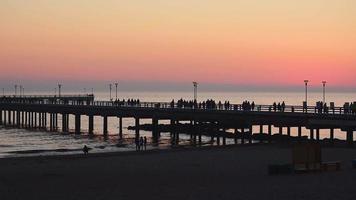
[(137, 143), (145, 142), (85, 150), (141, 143)]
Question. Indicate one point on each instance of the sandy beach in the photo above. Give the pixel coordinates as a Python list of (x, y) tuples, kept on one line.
[(208, 173)]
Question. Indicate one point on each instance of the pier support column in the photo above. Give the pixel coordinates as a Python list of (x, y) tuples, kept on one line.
[(4, 118), (105, 125), (9, 118), (317, 134), (120, 127), (224, 137), (350, 138), (280, 130), (176, 132), (199, 132), (235, 135), (299, 132), (332, 136), (269, 133), (56, 122), (242, 135), (250, 134), (155, 129), (64, 127), (23, 113), (77, 124), (137, 130), (0, 117), (35, 119), (32, 120), (18, 119), (312, 134), (288, 131), (51, 121), (13, 118), (91, 124)]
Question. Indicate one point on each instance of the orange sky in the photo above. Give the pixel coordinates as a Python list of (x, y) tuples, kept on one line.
[(256, 42)]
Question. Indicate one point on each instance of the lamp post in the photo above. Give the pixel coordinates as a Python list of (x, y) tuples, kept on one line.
[(3, 91), (195, 85), (324, 84), (59, 90), (116, 84), (306, 91), (15, 90), (20, 90), (110, 87)]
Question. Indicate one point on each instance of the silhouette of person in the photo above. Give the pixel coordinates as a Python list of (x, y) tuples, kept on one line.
[(85, 150), (141, 143), (145, 142)]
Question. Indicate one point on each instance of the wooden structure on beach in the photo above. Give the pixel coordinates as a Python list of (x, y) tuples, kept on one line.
[(38, 112)]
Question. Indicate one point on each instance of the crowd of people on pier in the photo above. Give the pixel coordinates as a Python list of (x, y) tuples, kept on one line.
[(128, 102), (209, 104), (281, 107)]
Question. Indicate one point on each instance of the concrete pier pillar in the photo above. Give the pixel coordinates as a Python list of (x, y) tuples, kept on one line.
[(77, 124), (23, 113), (242, 135), (154, 128), (9, 118), (56, 121), (0, 117), (269, 133), (137, 124), (280, 130), (32, 120), (350, 138), (235, 135), (4, 118), (311, 134), (250, 134), (91, 124), (64, 127), (13, 118), (51, 122), (332, 136), (35, 119), (299, 132), (288, 131), (317, 134), (105, 124), (224, 137), (120, 127), (18, 119), (261, 129)]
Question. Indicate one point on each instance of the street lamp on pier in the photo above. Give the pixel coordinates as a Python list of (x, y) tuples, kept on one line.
[(59, 90), (324, 84), (195, 85), (116, 84), (15, 90), (110, 87), (306, 91)]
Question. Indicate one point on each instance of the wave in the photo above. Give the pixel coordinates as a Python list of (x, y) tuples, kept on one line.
[(42, 151)]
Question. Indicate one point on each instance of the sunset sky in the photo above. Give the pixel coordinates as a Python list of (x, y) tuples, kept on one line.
[(256, 42)]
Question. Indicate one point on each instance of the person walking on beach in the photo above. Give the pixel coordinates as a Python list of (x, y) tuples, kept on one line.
[(141, 143), (137, 143), (145, 142), (85, 150)]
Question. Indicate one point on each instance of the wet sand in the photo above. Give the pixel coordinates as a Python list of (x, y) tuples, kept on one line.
[(208, 173)]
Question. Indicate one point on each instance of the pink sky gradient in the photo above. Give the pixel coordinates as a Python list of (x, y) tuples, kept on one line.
[(251, 42)]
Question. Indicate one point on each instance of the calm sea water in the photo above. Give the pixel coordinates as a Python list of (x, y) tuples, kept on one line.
[(19, 142)]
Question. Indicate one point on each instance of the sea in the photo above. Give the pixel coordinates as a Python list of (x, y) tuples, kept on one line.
[(23, 143)]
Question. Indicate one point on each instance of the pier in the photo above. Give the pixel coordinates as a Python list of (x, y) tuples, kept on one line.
[(42, 112)]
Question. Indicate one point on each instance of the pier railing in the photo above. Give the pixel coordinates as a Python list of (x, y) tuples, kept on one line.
[(169, 105)]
